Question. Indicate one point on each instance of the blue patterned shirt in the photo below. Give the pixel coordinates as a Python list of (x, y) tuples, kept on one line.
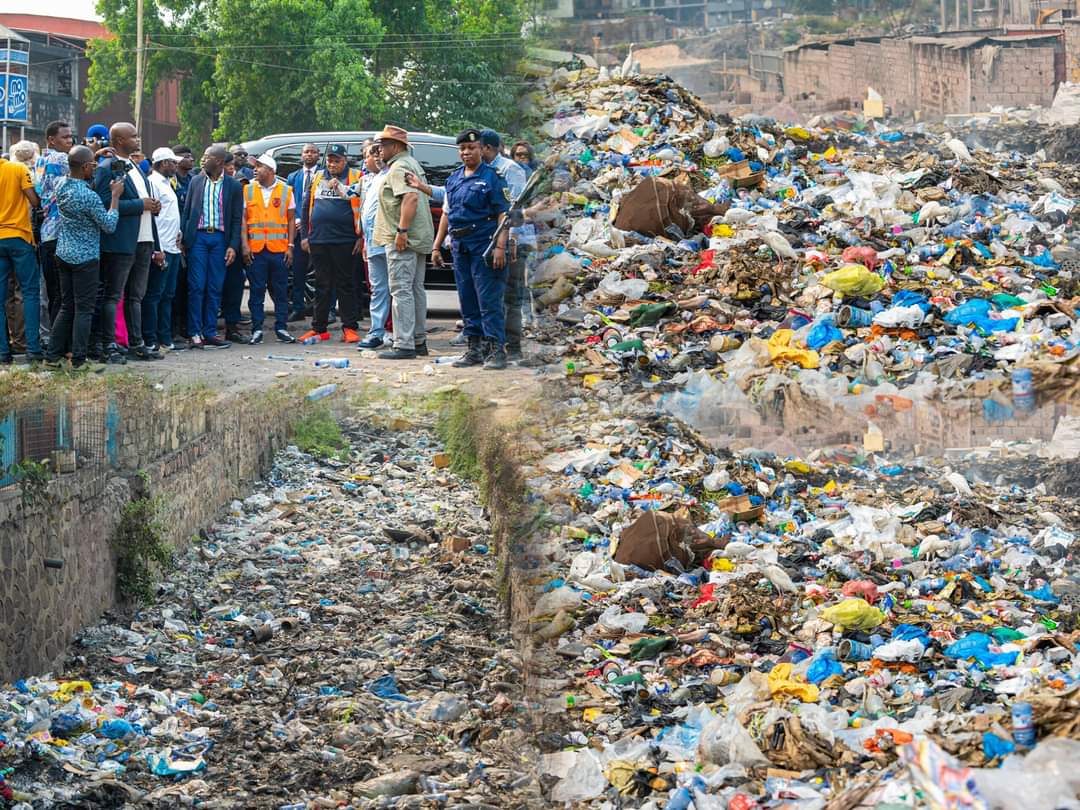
[(82, 218), (49, 171)]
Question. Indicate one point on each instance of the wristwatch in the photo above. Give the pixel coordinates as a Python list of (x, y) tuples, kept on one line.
[(402, 230)]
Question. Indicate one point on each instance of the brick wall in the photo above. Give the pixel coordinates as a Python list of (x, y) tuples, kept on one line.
[(843, 84), (1018, 77), (1071, 30), (927, 78), (199, 454), (806, 72), (941, 80)]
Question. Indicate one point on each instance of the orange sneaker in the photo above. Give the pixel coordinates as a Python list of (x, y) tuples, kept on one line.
[(313, 337), (350, 335)]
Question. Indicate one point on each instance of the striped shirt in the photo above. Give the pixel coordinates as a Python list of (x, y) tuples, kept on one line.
[(212, 216)]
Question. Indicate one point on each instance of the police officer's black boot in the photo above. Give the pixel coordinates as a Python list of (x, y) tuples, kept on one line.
[(496, 358), (474, 355)]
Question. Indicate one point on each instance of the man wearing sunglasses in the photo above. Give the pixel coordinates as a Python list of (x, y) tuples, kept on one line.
[(245, 169)]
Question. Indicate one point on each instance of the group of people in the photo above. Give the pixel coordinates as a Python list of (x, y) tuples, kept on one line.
[(115, 240)]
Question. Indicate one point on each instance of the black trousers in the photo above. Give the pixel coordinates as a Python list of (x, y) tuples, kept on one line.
[(334, 273), (70, 329), (49, 269)]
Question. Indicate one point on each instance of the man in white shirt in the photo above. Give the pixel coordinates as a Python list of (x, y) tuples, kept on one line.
[(267, 239), (161, 284)]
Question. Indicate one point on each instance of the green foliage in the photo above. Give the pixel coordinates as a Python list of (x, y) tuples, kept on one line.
[(454, 426), (317, 432), (263, 66), (33, 480), (142, 555)]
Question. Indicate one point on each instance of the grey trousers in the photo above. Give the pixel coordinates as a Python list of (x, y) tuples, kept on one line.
[(134, 290), (409, 300)]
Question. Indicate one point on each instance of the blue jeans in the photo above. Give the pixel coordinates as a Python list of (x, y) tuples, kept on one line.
[(379, 279), (265, 267), (481, 290), (18, 257), (206, 275), (157, 303)]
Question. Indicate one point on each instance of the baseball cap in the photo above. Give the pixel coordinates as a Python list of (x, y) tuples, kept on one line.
[(468, 136), (489, 137), (336, 149), (267, 161), (98, 131), (163, 153)]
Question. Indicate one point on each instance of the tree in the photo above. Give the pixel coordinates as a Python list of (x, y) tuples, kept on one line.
[(464, 72), (259, 66), (112, 61)]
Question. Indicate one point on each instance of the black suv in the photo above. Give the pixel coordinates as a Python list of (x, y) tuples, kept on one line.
[(438, 154)]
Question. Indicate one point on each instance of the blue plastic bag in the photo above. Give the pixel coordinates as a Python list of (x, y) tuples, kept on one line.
[(823, 332), (995, 746), (823, 665), (911, 632), (977, 646), (907, 298), (976, 312)]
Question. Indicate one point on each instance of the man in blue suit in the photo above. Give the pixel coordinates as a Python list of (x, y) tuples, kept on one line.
[(213, 216), (299, 181), (126, 253)]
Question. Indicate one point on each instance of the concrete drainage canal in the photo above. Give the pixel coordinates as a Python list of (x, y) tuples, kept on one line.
[(335, 639)]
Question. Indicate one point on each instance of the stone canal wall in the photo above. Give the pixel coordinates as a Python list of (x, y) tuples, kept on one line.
[(195, 448)]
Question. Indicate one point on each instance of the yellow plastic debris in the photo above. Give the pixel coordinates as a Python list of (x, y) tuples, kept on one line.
[(780, 348), (854, 279), (854, 614), (781, 682)]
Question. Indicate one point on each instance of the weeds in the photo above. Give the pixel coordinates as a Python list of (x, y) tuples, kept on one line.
[(454, 426), (318, 433), (142, 554), (33, 479)]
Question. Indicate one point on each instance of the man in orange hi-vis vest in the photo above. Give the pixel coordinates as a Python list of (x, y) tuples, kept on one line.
[(267, 240)]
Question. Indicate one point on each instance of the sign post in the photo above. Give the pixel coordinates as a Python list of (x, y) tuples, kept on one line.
[(14, 82)]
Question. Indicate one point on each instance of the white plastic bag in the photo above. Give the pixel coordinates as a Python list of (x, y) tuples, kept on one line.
[(724, 740)]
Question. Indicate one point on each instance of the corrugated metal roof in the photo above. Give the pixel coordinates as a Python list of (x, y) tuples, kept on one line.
[(7, 33), (962, 43)]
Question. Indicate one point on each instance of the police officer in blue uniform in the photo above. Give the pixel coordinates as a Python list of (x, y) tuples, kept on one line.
[(476, 200)]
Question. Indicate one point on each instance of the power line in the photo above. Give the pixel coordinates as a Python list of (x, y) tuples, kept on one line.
[(308, 71), (351, 45)]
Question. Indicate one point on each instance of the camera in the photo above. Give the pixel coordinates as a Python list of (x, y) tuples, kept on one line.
[(118, 168)]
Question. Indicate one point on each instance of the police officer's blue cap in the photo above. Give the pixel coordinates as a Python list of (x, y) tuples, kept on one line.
[(336, 149), (489, 137), (98, 131), (468, 136)]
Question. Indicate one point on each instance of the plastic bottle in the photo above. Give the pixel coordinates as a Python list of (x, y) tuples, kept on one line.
[(332, 362), (311, 341), (1023, 725), (1023, 390)]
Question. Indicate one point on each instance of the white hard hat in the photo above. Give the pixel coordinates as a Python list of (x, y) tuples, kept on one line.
[(266, 160), (163, 153)]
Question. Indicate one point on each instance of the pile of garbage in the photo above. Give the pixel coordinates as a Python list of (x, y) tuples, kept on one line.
[(735, 630), (853, 265), (335, 641)]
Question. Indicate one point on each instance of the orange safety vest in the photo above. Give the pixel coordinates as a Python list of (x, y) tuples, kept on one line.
[(268, 224), (355, 202)]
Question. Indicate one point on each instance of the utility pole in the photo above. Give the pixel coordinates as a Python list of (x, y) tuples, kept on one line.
[(140, 52)]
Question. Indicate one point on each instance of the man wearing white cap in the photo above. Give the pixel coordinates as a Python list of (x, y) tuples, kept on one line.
[(267, 240), (161, 284)]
